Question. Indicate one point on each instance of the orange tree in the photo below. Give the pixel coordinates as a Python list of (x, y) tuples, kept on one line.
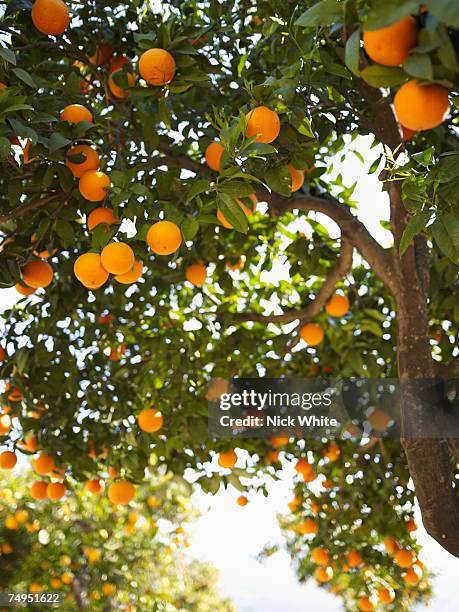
[(135, 139), (105, 557)]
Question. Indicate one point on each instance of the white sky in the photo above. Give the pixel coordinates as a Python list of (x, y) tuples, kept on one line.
[(231, 537)]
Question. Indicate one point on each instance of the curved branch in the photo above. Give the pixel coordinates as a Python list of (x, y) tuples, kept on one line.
[(20, 211), (340, 270)]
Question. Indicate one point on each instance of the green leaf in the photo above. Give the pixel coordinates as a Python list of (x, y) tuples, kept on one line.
[(415, 225), (57, 141), (446, 11), (8, 55), (326, 12), (385, 13), (190, 228), (236, 189), (232, 212), (445, 231), (5, 147), (279, 180), (199, 186), (352, 52), (383, 76), (65, 231), (14, 108), (419, 65), (25, 77)]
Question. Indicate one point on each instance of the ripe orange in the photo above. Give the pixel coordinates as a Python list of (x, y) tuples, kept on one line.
[(38, 489), (118, 91), (37, 274), (320, 556), (386, 595), (8, 460), (157, 66), (278, 441), (117, 352), (404, 558), (132, 275), (117, 258), (337, 306), (121, 492), (196, 274), (55, 490), (421, 107), (332, 452), (90, 161), (44, 254), (106, 319), (93, 185), (23, 290), (75, 113), (103, 53), (150, 420), (164, 237), (391, 46), (16, 395), (43, 464), (413, 575), (407, 134), (312, 334), (50, 16), (411, 525), (248, 211), (242, 500), (379, 419), (94, 485), (101, 215), (303, 466), (308, 527), (108, 589), (11, 523), (354, 559), (295, 503), (238, 265), (228, 459), (214, 154), (297, 177), (3, 354), (366, 604), (323, 574), (30, 443), (262, 123), (89, 270), (390, 544)]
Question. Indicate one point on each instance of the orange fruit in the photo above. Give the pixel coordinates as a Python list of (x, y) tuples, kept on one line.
[(132, 275), (413, 575), (337, 306), (273, 456), (262, 123), (121, 492), (411, 525), (108, 589), (366, 604), (150, 420), (238, 265), (103, 53), (390, 544), (38, 489), (407, 134), (44, 254), (118, 91), (391, 46), (101, 215), (323, 574), (11, 523), (303, 466), (37, 274), (386, 595), (106, 319), (297, 177), (278, 441), (75, 113), (157, 66), (3, 354), (94, 485), (295, 503), (404, 557), (89, 270), (50, 16), (228, 459), (332, 452), (379, 419), (117, 352), (421, 107), (214, 154), (93, 185), (320, 556), (90, 160), (5, 424), (164, 237), (8, 460), (354, 559), (312, 334), (242, 500), (23, 290), (43, 464), (196, 274), (308, 527), (117, 258), (30, 443), (248, 211), (55, 490)]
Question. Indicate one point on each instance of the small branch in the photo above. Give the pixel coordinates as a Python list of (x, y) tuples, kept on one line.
[(20, 211), (340, 270), (171, 161)]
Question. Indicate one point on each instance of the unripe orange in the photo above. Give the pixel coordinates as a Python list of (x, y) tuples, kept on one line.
[(228, 459), (93, 185), (337, 306), (214, 154), (90, 160), (89, 270), (262, 123), (164, 237), (196, 274), (150, 420), (37, 274), (157, 66), (75, 113), (121, 492), (312, 334), (117, 258)]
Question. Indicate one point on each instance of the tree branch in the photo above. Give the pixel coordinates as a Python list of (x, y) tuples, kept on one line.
[(340, 270), (20, 211)]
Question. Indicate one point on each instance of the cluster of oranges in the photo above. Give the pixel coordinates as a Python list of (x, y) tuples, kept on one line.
[(417, 106), (312, 333)]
